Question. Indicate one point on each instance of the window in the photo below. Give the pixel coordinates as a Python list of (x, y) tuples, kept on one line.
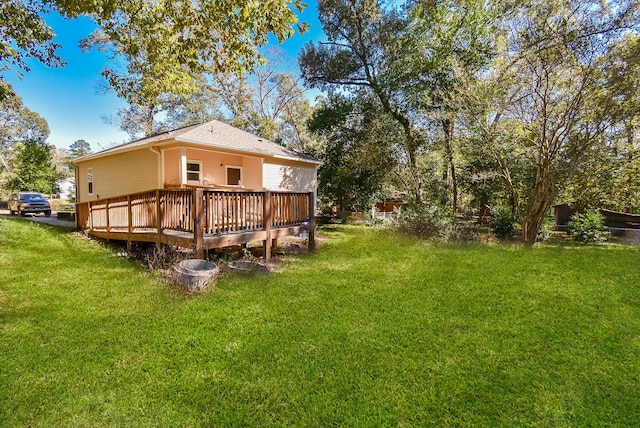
[(234, 176), (194, 170), (90, 180)]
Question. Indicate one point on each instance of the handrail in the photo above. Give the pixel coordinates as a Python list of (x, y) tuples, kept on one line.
[(223, 210)]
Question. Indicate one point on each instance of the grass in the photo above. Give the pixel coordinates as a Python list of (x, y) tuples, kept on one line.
[(372, 330)]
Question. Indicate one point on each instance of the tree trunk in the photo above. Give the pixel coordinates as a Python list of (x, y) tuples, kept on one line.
[(447, 127), (629, 129), (538, 205)]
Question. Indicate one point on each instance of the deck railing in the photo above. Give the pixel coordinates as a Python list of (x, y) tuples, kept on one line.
[(198, 211), (228, 212)]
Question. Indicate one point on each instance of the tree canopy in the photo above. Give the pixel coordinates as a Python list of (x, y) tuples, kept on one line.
[(164, 43), (505, 102), (407, 58), (26, 160)]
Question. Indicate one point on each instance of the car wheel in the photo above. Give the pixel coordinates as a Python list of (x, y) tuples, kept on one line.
[(22, 213), (47, 213)]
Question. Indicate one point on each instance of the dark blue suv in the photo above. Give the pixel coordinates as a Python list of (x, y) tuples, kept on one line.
[(29, 202)]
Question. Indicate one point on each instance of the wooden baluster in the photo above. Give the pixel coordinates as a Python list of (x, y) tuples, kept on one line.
[(129, 220), (158, 222), (267, 216), (198, 213)]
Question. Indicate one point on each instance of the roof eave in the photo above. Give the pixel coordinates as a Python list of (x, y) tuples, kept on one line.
[(208, 145), (248, 152), (115, 151), (312, 161)]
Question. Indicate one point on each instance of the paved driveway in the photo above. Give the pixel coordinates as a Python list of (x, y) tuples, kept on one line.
[(53, 220)]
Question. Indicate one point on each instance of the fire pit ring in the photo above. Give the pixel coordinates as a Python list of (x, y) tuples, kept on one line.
[(195, 274)]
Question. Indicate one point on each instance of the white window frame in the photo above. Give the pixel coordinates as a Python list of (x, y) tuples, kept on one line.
[(226, 175), (187, 172), (90, 188)]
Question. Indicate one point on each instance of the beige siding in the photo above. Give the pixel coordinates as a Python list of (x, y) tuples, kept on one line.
[(120, 174), (290, 177), (214, 167)]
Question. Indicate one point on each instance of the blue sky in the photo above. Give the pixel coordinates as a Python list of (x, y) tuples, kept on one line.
[(69, 98)]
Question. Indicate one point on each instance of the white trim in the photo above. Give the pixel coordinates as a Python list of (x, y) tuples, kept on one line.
[(183, 165), (291, 158), (162, 170)]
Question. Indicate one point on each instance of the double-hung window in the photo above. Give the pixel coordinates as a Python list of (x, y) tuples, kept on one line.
[(194, 172), (90, 180)]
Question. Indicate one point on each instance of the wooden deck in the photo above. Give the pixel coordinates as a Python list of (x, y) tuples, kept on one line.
[(199, 218)]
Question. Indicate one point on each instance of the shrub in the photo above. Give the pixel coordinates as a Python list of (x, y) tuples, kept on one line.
[(588, 228), (502, 221), (545, 231), (424, 221)]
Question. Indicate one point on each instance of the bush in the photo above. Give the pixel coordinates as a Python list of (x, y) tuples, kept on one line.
[(545, 231), (424, 221), (588, 228), (502, 221)]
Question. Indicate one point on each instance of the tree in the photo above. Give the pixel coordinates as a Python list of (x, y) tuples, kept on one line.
[(34, 168), (446, 45), (355, 165), (361, 39), (25, 35), (267, 102), (610, 176), (621, 98), (164, 42), (79, 148), (198, 107), (167, 45), (543, 83), (294, 132), (17, 125), (271, 103), (408, 58)]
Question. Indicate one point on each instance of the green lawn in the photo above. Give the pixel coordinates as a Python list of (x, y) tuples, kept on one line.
[(372, 330)]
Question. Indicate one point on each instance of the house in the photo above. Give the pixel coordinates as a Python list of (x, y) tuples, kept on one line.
[(212, 154), (215, 173), (66, 189)]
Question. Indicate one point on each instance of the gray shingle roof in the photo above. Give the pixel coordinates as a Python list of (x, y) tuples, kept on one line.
[(212, 134)]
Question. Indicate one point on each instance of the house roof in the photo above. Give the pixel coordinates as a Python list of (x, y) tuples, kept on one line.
[(213, 134)]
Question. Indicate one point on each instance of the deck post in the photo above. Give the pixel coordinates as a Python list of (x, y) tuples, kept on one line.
[(90, 216), (158, 219), (312, 221), (198, 228), (267, 217)]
